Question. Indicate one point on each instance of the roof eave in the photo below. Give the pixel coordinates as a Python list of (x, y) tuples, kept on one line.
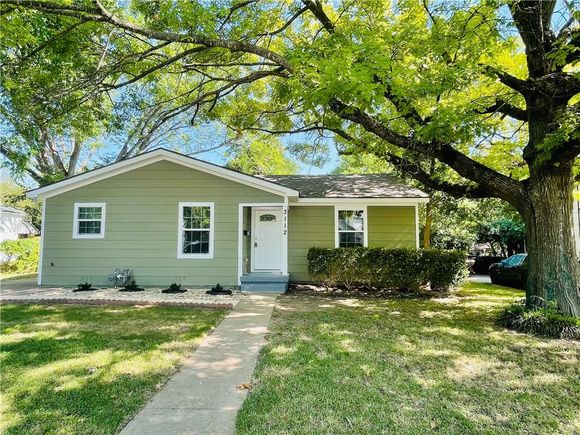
[(361, 200)]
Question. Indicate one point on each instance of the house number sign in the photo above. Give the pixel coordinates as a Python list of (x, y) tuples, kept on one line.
[(285, 222)]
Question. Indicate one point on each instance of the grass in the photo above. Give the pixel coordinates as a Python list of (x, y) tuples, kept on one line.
[(77, 369), (409, 366)]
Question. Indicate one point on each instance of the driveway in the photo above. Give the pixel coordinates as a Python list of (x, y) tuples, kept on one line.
[(480, 278)]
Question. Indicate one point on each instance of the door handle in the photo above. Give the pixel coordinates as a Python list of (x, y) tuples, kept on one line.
[(255, 244)]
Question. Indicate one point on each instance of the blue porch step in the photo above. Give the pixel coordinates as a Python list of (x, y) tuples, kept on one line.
[(264, 282)]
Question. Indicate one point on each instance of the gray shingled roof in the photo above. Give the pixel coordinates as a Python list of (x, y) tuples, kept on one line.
[(347, 186)]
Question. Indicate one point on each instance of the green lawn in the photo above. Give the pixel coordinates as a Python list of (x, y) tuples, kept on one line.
[(410, 366), (77, 369)]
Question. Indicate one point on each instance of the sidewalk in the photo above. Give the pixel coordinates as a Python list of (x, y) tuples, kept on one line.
[(203, 397)]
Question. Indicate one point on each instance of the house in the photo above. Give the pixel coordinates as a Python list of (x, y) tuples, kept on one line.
[(14, 224), (172, 218)]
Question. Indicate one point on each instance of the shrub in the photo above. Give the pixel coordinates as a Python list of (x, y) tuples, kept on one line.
[(444, 268), (407, 269), (546, 321), (21, 256)]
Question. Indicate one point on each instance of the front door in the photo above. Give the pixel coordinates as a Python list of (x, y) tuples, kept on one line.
[(267, 239)]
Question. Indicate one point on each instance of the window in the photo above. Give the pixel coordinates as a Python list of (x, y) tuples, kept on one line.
[(195, 238), (515, 260), (89, 220), (351, 227), (267, 218)]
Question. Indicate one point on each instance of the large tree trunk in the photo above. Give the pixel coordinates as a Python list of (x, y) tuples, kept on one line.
[(553, 267)]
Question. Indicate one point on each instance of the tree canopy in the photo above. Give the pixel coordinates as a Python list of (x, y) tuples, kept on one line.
[(259, 156)]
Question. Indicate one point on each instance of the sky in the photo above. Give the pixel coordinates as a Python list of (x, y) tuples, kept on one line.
[(203, 137)]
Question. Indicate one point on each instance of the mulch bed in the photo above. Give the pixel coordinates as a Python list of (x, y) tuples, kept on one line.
[(169, 291), (219, 292)]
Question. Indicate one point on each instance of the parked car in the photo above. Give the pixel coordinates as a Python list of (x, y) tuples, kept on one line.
[(512, 271), (482, 263)]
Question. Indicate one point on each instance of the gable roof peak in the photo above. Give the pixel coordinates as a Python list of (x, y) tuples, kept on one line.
[(153, 156)]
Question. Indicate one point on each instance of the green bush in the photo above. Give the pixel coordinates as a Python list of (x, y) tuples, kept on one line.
[(546, 321), (20, 256), (407, 269)]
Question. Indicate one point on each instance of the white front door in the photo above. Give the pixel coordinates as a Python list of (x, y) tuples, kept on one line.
[(267, 239)]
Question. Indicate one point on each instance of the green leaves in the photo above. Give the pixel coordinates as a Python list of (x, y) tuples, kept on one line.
[(259, 155), (428, 72)]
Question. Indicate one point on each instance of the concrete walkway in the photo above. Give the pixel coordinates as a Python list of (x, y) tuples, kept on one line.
[(205, 395)]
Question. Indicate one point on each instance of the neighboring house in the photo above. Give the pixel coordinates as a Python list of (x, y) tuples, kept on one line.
[(14, 224), (171, 218)]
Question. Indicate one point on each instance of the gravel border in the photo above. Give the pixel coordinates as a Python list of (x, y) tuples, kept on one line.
[(79, 301), (102, 296)]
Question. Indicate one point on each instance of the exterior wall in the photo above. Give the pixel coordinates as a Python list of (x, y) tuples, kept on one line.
[(392, 227), (142, 228), (388, 227), (307, 227)]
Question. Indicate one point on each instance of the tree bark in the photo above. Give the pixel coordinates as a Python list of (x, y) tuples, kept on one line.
[(427, 229), (553, 267)]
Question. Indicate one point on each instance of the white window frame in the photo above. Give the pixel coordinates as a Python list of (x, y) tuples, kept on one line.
[(76, 220), (351, 207), (180, 253)]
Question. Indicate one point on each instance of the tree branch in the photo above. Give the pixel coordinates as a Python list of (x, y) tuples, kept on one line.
[(507, 188), (453, 189), (100, 14), (415, 171), (17, 160), (506, 108), (507, 79), (286, 24), (316, 8), (154, 68)]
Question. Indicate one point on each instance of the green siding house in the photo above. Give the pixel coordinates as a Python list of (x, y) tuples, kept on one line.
[(171, 218)]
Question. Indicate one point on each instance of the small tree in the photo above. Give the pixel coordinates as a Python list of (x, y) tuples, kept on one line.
[(504, 235)]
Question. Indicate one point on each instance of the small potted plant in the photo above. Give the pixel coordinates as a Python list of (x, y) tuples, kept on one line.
[(174, 288), (84, 287), (131, 287), (218, 290)]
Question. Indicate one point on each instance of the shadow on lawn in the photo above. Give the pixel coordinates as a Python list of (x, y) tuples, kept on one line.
[(75, 369), (409, 366)]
